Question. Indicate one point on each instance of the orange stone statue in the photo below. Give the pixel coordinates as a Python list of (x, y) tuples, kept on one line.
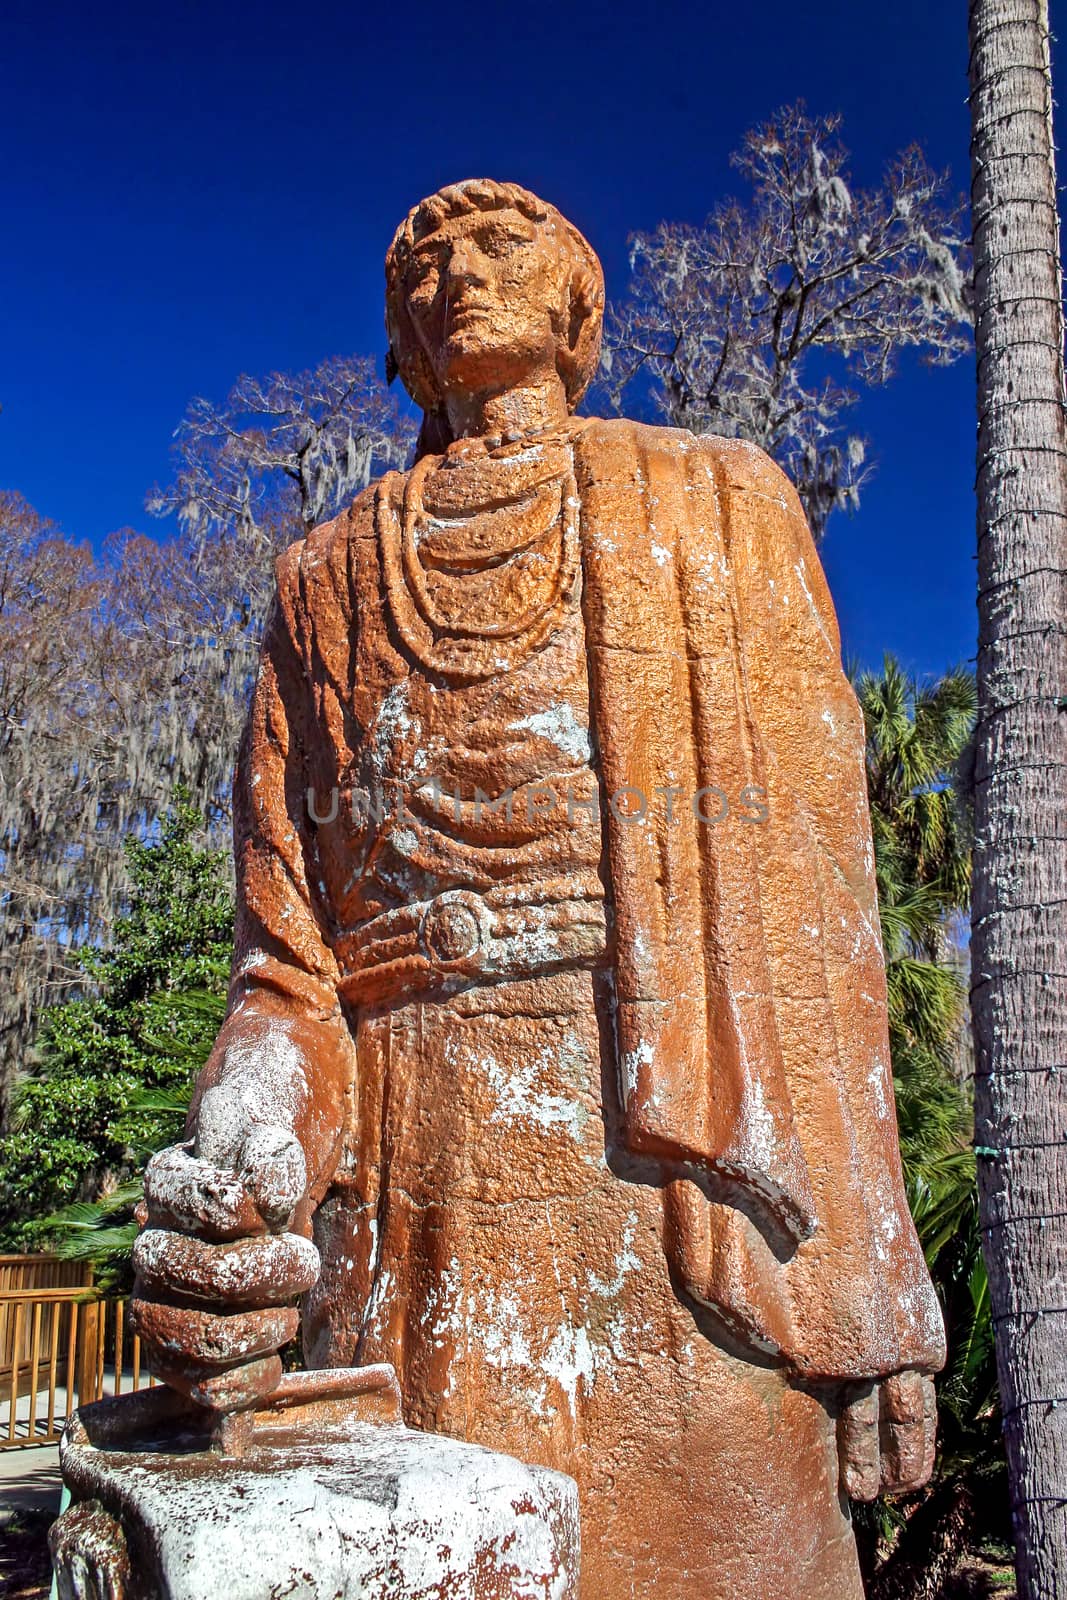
[(555, 1071)]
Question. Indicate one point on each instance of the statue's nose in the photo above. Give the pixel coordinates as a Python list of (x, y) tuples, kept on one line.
[(466, 263)]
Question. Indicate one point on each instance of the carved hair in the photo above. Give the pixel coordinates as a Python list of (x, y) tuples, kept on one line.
[(581, 314)]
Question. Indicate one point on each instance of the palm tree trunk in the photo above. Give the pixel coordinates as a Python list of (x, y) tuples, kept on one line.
[(1019, 946)]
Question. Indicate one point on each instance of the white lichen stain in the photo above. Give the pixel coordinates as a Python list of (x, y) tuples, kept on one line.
[(404, 841), (503, 1340), (520, 1095), (394, 726), (619, 1330), (759, 1127), (570, 1362), (561, 727), (630, 1065), (876, 1084), (254, 959), (800, 572)]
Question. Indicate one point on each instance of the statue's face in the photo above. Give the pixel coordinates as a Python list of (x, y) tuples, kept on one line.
[(484, 293)]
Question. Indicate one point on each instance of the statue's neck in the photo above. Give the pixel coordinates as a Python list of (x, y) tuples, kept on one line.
[(528, 408)]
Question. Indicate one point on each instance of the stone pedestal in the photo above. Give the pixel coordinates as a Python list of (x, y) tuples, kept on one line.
[(323, 1495)]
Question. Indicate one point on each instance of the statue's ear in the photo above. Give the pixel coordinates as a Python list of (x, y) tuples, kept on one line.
[(581, 304), (584, 324), (406, 359)]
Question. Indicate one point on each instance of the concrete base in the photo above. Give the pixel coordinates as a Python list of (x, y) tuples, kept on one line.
[(332, 1498)]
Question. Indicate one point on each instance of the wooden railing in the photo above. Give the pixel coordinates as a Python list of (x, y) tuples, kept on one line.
[(69, 1346), (19, 1273), (41, 1272)]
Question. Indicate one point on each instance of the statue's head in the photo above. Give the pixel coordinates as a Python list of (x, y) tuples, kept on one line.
[(488, 287)]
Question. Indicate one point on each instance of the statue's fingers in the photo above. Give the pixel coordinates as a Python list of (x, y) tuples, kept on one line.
[(903, 1451), (185, 1333), (904, 1426), (222, 1123), (273, 1171), (907, 1429), (189, 1195), (902, 1398), (858, 1446), (236, 1388), (245, 1274)]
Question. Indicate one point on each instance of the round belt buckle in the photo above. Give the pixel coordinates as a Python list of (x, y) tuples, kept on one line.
[(454, 928)]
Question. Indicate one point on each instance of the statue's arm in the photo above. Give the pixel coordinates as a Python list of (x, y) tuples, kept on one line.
[(284, 1051), (228, 1210)]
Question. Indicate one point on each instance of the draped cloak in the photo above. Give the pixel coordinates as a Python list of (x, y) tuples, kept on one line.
[(750, 1003)]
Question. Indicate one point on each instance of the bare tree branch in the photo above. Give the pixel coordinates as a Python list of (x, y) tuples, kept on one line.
[(736, 325)]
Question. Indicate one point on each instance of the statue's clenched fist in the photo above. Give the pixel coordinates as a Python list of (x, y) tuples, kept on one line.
[(887, 1436), (217, 1270)]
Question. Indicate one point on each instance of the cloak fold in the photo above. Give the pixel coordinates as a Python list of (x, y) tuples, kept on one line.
[(751, 1013)]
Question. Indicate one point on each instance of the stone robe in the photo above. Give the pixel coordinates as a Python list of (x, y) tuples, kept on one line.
[(617, 1162)]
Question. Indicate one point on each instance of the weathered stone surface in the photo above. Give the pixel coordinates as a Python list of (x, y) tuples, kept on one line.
[(245, 1272), (328, 1503), (558, 1015), (217, 1339), (89, 1554)]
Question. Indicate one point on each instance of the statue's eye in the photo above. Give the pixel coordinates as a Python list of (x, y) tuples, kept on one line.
[(501, 242), (424, 267)]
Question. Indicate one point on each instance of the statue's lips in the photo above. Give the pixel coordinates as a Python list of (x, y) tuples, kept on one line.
[(460, 315)]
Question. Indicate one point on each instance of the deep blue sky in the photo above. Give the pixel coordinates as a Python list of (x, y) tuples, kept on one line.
[(195, 190)]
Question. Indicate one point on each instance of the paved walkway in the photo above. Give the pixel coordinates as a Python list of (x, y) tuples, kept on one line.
[(29, 1480), (29, 1477)]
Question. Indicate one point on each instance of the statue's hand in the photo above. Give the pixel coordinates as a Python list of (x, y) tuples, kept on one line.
[(886, 1436), (216, 1269)]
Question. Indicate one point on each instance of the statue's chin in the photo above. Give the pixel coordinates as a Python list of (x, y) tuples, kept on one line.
[(475, 360)]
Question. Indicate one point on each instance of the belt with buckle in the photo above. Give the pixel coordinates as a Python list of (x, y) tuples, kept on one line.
[(510, 931)]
